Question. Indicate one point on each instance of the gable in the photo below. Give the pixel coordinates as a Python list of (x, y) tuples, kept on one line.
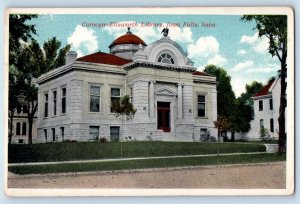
[(165, 91)]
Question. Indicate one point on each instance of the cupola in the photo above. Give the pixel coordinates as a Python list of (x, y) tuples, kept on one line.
[(126, 45)]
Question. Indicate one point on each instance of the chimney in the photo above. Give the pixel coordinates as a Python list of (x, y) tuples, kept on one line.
[(71, 57)]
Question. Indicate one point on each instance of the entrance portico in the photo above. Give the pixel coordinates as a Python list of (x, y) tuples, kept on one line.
[(165, 102)]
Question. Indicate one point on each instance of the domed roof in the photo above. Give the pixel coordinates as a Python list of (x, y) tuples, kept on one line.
[(128, 38)]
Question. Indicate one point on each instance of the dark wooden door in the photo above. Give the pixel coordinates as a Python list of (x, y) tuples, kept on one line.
[(163, 116)]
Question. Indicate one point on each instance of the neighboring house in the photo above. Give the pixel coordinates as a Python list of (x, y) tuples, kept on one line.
[(174, 102), (266, 111), (20, 125)]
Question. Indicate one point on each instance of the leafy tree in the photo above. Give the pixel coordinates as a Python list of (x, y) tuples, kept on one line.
[(123, 107), (274, 27), (251, 90), (19, 32), (225, 95), (223, 125), (13, 99), (240, 118), (33, 62), (264, 134), (243, 113)]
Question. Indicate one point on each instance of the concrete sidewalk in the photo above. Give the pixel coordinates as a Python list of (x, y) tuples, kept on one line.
[(133, 158)]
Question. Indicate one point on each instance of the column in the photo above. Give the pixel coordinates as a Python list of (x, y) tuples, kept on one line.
[(179, 103), (151, 99)]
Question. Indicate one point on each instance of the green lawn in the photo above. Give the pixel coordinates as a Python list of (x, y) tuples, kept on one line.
[(149, 163), (96, 150)]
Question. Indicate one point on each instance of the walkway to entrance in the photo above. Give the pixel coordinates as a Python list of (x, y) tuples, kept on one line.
[(130, 159)]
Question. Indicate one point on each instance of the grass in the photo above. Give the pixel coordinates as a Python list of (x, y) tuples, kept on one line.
[(95, 150), (259, 141), (149, 163)]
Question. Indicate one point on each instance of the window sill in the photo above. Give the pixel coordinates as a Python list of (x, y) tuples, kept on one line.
[(201, 117), (95, 112)]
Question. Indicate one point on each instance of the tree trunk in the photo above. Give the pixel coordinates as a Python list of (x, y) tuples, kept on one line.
[(11, 119), (30, 116), (232, 136), (30, 122), (225, 136), (281, 119)]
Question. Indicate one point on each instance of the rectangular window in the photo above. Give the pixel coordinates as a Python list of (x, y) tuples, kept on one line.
[(114, 133), (115, 96), (203, 132), (95, 99), (94, 132), (261, 106), (271, 125), (271, 104), (46, 106), (131, 95), (63, 100), (19, 108), (53, 134), (54, 94), (24, 129), (62, 133), (261, 123), (46, 134), (201, 105), (18, 129), (21, 141), (25, 108)]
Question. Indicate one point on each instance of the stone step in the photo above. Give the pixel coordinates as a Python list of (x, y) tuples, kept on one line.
[(272, 148)]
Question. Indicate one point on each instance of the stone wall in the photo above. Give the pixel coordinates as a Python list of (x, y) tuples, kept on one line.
[(148, 85)]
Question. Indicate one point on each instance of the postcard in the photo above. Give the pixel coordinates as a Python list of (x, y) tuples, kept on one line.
[(149, 101)]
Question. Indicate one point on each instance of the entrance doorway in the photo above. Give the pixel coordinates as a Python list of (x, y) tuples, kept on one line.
[(163, 116)]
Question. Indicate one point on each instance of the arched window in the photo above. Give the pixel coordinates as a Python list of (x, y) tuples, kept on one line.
[(166, 58)]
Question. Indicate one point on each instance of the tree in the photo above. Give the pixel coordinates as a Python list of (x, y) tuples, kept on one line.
[(19, 32), (240, 118), (13, 99), (225, 95), (33, 62), (274, 27), (123, 107), (251, 90), (223, 125), (244, 107)]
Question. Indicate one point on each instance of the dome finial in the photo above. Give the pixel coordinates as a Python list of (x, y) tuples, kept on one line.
[(128, 31)]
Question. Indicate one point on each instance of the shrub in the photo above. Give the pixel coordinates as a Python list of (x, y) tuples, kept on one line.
[(264, 134), (103, 139)]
